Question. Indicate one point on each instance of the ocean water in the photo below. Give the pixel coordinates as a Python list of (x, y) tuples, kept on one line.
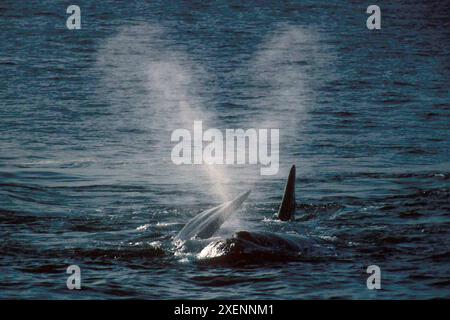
[(86, 176)]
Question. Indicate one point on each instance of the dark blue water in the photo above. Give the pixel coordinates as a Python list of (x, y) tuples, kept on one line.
[(85, 170)]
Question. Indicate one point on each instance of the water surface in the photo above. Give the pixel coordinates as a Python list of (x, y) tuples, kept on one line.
[(85, 122)]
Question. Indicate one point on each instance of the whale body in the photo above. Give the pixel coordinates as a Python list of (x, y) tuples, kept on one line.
[(199, 231), (254, 245)]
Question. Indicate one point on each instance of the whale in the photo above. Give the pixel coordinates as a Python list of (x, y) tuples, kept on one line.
[(199, 235)]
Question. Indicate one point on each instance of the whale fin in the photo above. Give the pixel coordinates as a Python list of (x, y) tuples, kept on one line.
[(287, 207), (206, 223)]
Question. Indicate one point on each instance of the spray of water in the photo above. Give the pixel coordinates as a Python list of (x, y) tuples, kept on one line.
[(285, 72), (154, 84)]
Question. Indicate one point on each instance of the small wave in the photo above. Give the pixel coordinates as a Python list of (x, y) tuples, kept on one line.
[(141, 250), (166, 224), (59, 162), (220, 281), (143, 227), (329, 238)]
